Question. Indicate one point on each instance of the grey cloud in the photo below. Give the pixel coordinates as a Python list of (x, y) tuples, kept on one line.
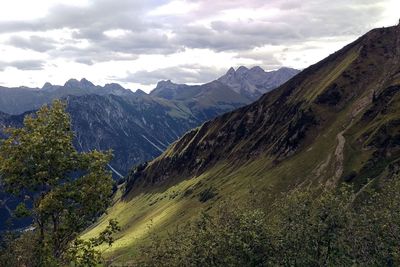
[(99, 14), (298, 22), (235, 36), (23, 64), (267, 58), (126, 47), (180, 74), (36, 43), (149, 42), (90, 55)]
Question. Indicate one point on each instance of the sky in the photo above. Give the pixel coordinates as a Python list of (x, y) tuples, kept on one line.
[(137, 43)]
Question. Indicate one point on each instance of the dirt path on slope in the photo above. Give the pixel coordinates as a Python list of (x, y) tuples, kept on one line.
[(339, 153), (359, 106)]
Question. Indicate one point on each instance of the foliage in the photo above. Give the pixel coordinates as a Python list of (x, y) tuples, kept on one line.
[(232, 238), (207, 194), (83, 252), (68, 189), (305, 228)]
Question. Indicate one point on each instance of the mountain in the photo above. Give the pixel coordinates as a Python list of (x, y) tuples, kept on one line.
[(243, 84), (137, 126), (22, 99), (235, 89), (207, 100), (337, 121), (254, 82)]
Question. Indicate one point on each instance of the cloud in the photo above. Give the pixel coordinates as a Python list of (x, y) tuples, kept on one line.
[(35, 43), (23, 64), (180, 74), (115, 35), (258, 23)]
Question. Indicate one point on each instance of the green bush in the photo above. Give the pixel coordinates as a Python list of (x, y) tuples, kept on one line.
[(305, 228)]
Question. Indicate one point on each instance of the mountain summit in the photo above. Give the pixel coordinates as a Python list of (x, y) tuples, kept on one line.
[(254, 82), (250, 84)]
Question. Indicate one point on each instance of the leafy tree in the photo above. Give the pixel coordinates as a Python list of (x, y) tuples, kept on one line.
[(310, 228), (68, 189), (234, 236), (84, 253), (307, 227)]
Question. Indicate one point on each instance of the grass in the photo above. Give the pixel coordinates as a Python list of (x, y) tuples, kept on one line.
[(156, 210), (151, 211)]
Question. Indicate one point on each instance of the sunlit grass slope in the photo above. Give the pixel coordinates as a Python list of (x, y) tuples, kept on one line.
[(336, 121)]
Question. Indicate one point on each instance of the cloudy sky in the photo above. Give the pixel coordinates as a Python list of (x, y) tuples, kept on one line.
[(138, 42)]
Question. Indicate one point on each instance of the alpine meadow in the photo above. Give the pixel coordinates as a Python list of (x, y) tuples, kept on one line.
[(228, 133)]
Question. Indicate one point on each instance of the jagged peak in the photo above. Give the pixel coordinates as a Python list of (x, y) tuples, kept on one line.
[(242, 69), (71, 82), (165, 83), (47, 85), (140, 92), (230, 71), (74, 83), (86, 83)]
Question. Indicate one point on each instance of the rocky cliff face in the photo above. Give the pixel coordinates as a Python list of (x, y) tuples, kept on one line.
[(137, 129), (254, 82)]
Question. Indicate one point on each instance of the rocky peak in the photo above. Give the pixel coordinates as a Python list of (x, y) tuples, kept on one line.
[(257, 69), (86, 84), (47, 85), (72, 83), (231, 71), (114, 86), (82, 84), (165, 84), (252, 83), (242, 70), (140, 92)]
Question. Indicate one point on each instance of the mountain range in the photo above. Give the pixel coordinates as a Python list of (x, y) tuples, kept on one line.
[(337, 121), (136, 125)]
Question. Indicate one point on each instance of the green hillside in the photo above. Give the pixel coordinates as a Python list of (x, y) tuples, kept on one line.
[(336, 121)]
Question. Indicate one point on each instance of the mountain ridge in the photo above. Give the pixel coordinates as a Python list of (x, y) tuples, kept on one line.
[(336, 121), (191, 106)]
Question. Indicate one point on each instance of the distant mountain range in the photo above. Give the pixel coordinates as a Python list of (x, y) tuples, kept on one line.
[(136, 125), (21, 99)]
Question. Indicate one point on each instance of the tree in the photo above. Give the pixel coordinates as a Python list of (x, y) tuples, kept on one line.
[(68, 189), (305, 227)]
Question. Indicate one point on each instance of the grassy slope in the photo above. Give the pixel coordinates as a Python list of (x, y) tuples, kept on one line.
[(157, 210), (152, 209)]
